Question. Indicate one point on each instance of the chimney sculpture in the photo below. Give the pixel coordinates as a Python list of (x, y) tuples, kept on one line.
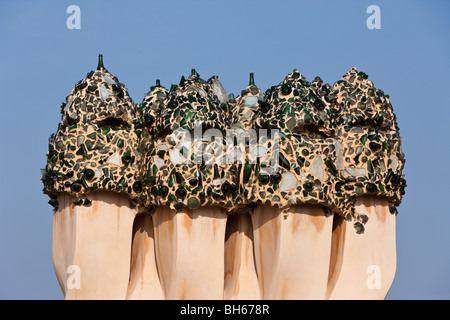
[(195, 194)]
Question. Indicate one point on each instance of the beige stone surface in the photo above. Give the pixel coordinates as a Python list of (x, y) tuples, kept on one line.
[(106, 251), (363, 265), (190, 252), (241, 281), (91, 246), (144, 278), (292, 251)]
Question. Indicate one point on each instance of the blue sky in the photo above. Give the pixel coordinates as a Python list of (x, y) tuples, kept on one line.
[(41, 60)]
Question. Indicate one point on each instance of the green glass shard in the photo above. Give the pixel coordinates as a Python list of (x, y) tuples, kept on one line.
[(100, 62), (369, 166), (252, 80), (247, 171), (363, 139)]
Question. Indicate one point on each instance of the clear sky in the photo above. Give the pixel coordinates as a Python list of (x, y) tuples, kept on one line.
[(41, 60)]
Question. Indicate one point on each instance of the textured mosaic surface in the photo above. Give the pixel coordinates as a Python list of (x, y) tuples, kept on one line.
[(373, 160), (336, 143), (184, 163), (333, 144), (96, 144)]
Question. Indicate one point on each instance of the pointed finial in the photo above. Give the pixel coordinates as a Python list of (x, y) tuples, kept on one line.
[(193, 72), (100, 62), (252, 79), (157, 85)]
